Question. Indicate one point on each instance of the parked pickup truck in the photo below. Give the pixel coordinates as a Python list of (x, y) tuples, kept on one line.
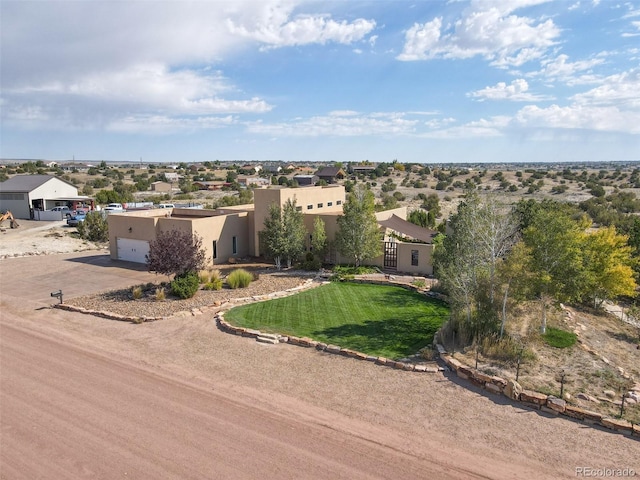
[(114, 207), (66, 211)]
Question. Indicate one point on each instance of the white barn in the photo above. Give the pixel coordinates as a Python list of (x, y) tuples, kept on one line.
[(23, 193)]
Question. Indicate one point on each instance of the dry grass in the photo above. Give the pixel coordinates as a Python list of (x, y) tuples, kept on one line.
[(605, 345)]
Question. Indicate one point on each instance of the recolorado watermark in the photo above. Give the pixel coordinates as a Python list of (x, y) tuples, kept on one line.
[(592, 472)]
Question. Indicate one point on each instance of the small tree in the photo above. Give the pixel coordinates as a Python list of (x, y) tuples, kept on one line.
[(272, 237), (283, 234), (358, 236), (176, 253), (294, 232), (319, 238), (94, 227)]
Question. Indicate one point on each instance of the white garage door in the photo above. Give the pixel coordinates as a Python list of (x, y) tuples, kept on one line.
[(132, 250)]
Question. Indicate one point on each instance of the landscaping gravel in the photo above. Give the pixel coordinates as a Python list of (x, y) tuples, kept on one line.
[(122, 302)]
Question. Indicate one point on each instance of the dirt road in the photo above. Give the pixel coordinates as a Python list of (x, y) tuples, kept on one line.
[(83, 397)]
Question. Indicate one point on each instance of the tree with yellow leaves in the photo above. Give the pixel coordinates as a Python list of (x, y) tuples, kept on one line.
[(608, 265)]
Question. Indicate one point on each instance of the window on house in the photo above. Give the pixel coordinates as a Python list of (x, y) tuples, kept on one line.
[(319, 205), (215, 249), (329, 204), (414, 258), (339, 202), (299, 209), (234, 243), (309, 207)]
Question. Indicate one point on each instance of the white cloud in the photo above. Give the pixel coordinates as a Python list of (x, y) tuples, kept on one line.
[(486, 29), (594, 118), (88, 64), (273, 27), (621, 89), (517, 91), (340, 124), (161, 125), (559, 68), (97, 99)]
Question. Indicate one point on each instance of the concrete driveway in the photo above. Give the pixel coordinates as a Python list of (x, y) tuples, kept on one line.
[(31, 279)]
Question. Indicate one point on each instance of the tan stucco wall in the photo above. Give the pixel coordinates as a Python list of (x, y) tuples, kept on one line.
[(207, 224), (142, 224), (425, 258), (304, 196), (161, 187)]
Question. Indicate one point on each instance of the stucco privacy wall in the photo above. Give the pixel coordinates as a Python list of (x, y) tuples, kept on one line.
[(423, 254)]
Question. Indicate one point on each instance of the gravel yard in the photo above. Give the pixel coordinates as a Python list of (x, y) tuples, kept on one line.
[(123, 303)]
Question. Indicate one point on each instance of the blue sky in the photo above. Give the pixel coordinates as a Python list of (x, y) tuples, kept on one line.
[(416, 81)]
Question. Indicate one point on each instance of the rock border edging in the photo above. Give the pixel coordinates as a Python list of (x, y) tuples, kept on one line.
[(536, 400)]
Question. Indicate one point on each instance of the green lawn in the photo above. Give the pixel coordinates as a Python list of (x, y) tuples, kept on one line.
[(377, 320)]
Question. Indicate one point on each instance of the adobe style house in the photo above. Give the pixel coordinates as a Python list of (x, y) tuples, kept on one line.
[(234, 232), (162, 187)]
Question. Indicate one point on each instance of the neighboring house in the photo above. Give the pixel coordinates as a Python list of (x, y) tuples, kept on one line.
[(70, 166), (255, 181), (251, 169), (304, 180), (234, 232), (330, 174), (162, 187), (364, 169), (272, 169), (25, 194), (172, 176), (203, 185)]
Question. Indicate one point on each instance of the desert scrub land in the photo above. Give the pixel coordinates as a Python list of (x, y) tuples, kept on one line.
[(378, 320), (594, 367)]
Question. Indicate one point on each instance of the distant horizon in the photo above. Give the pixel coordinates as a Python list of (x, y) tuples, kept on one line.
[(4, 161), (444, 82)]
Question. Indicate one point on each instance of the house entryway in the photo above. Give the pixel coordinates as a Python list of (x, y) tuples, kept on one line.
[(390, 255)]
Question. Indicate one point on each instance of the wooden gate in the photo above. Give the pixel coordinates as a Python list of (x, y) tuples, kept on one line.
[(391, 255)]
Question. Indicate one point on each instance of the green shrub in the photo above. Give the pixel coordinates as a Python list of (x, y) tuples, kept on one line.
[(136, 292), (214, 284), (559, 338), (239, 278), (361, 270), (419, 283), (186, 285), (94, 228)]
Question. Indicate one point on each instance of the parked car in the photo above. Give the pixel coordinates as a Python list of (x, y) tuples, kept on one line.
[(166, 205), (75, 219), (113, 207)]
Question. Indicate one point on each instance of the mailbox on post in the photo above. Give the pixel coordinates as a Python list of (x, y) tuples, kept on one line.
[(57, 294)]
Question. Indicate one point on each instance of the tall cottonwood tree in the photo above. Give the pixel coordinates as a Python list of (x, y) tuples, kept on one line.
[(608, 265), (556, 264), (358, 236), (481, 233)]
